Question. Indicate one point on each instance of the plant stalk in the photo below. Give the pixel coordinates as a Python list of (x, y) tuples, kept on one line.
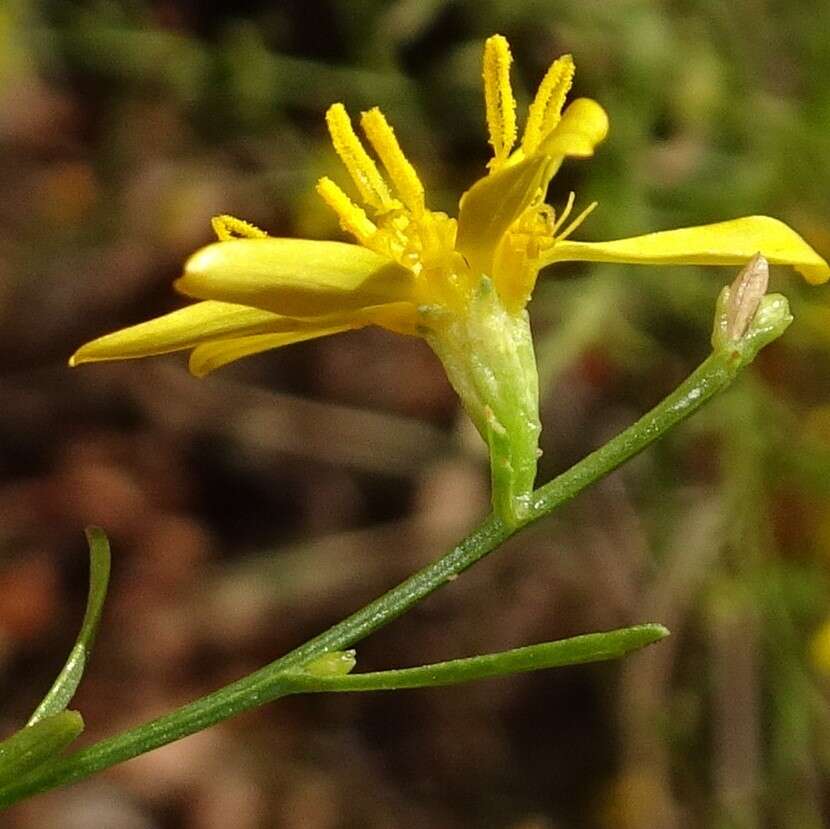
[(271, 682)]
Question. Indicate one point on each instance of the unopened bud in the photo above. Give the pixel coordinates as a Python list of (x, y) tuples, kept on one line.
[(745, 295), (747, 317)]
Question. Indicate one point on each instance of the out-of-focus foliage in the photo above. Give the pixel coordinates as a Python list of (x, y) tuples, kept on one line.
[(250, 509)]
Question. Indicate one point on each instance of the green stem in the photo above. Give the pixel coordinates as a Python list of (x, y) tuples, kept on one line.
[(270, 682)]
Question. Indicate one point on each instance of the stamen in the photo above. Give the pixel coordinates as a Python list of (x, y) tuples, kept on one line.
[(362, 169), (498, 98), (229, 227), (546, 109), (404, 178), (566, 211), (577, 222), (353, 219)]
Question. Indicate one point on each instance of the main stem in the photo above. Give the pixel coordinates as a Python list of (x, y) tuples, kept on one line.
[(268, 683)]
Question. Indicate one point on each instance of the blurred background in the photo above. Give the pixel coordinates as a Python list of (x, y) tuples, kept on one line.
[(251, 509)]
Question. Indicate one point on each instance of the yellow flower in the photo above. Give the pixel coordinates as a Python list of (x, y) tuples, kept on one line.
[(462, 284)]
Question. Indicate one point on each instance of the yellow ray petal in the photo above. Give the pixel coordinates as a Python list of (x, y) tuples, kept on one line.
[(212, 355), (294, 277), (400, 317), (724, 243), (493, 203), (181, 329)]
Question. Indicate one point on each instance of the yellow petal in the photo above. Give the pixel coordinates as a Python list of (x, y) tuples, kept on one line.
[(181, 329), (295, 277), (212, 355), (724, 243), (493, 203), (400, 317), (583, 125)]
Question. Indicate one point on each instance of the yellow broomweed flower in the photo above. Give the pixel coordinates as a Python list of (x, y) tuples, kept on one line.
[(462, 284)]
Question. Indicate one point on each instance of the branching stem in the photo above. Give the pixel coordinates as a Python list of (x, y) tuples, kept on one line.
[(275, 680)]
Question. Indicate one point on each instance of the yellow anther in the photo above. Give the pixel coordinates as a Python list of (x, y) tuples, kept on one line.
[(404, 178), (361, 167), (546, 109), (353, 219), (229, 227), (498, 98), (577, 222)]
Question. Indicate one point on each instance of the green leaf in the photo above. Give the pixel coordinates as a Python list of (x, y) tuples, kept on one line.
[(36, 744), (64, 687), (591, 647)]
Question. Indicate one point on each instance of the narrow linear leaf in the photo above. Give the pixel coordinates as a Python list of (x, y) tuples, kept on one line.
[(35, 745), (591, 647), (64, 687)]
